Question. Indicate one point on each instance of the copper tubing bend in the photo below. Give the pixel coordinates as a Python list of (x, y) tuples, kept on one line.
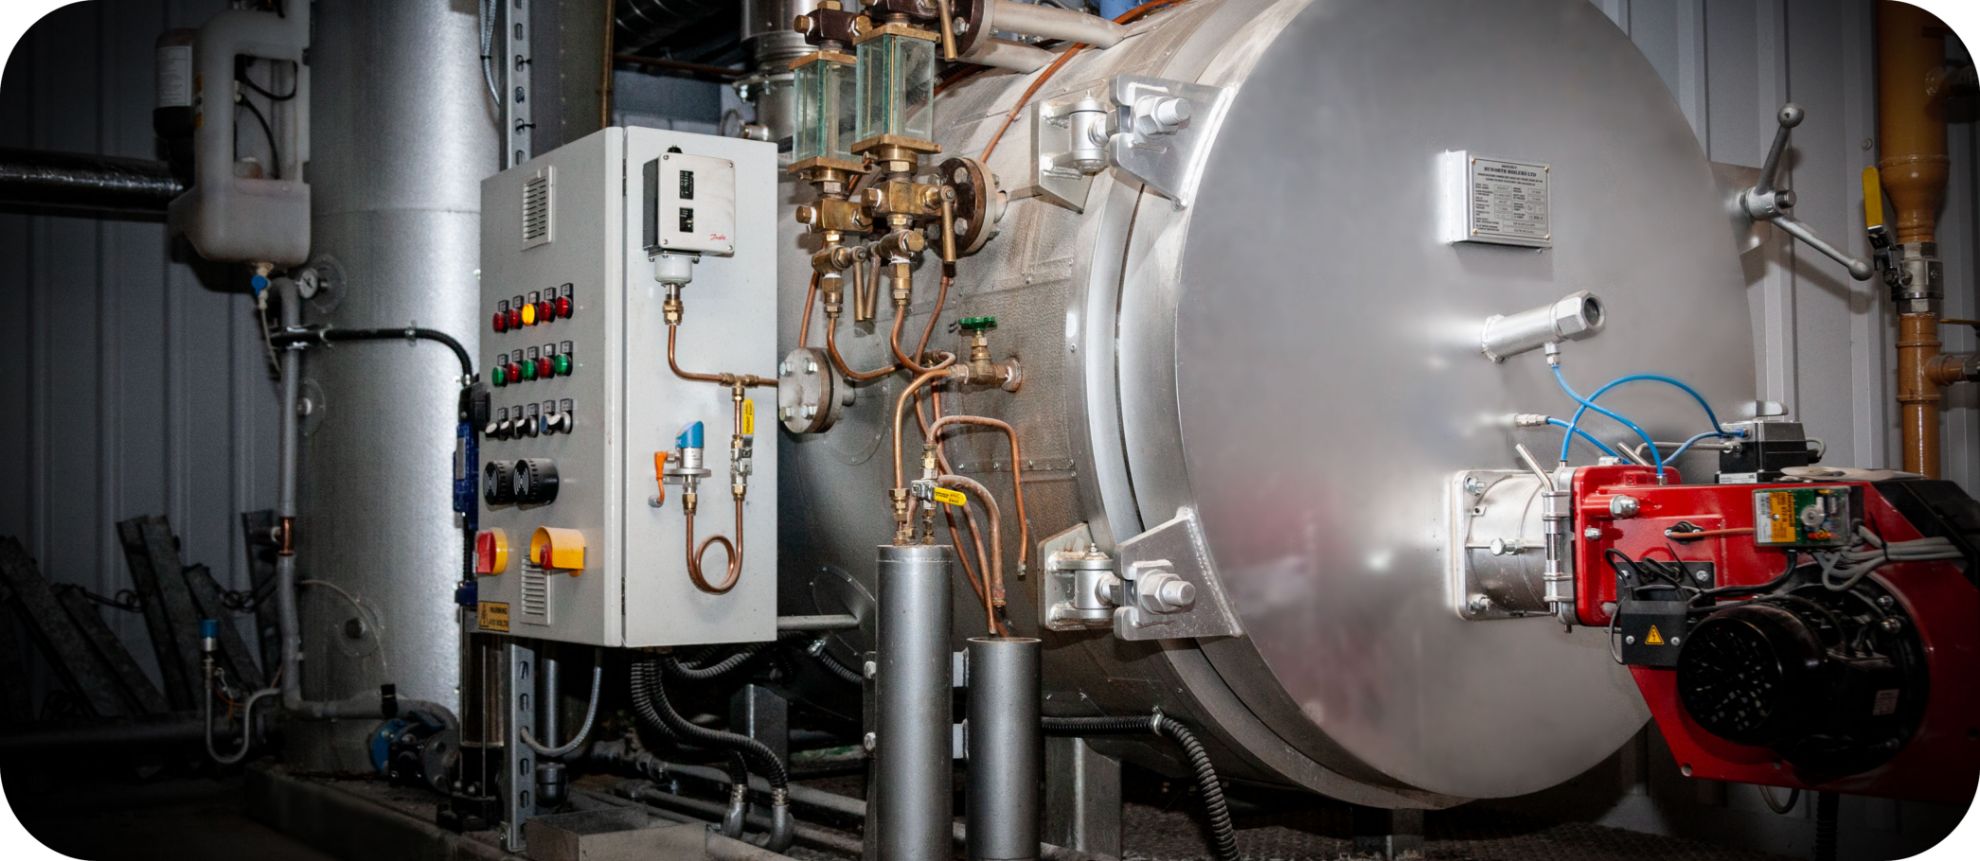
[(900, 414), (1017, 473), (994, 594)]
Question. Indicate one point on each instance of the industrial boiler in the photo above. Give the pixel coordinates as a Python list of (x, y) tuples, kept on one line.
[(1294, 403)]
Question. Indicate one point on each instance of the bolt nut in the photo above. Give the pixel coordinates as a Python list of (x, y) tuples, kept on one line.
[(1623, 506), (1479, 604), (869, 741), (1592, 533), (1473, 485)]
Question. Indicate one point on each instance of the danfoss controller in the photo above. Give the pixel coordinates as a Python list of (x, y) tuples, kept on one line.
[(578, 541)]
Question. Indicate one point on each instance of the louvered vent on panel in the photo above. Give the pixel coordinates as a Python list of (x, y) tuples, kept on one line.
[(535, 595), (538, 210)]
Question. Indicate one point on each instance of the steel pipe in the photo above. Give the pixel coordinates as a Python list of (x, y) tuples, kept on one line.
[(1006, 749), (1052, 22), (101, 185), (911, 744)]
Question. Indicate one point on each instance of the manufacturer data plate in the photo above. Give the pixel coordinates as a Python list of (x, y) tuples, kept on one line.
[(1495, 201)]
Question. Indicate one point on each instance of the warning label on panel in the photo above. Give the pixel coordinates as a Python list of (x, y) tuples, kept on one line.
[(491, 616), (1507, 203)]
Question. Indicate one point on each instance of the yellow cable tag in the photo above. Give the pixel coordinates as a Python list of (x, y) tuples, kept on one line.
[(1873, 198), (950, 497), (749, 418)]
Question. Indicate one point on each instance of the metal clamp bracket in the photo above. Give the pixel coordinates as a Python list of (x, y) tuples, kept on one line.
[(1163, 131), (1171, 587), (1158, 585)]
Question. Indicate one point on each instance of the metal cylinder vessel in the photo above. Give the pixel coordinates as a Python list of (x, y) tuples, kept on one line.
[(1293, 354), (396, 178), (912, 683), (1006, 749)]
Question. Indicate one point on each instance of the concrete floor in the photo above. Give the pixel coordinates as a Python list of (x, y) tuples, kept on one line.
[(149, 821)]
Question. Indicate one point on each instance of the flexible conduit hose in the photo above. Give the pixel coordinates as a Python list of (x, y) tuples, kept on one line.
[(1223, 835), (650, 698), (590, 716), (706, 672)]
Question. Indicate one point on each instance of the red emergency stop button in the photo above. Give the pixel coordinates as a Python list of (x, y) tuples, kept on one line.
[(491, 552)]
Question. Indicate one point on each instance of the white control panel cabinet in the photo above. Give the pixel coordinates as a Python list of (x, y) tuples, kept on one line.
[(577, 542)]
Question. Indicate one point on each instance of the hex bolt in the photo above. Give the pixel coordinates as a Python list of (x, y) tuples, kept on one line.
[(869, 741), (1479, 604), (1592, 533), (1701, 575), (1629, 639), (1624, 506), (1473, 486)]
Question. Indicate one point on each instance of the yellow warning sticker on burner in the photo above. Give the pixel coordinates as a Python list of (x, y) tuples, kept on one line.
[(1654, 638)]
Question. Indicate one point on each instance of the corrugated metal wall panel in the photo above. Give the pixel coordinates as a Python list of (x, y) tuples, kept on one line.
[(139, 383)]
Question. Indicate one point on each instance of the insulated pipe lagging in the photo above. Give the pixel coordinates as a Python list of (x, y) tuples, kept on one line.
[(1006, 54), (1052, 22)]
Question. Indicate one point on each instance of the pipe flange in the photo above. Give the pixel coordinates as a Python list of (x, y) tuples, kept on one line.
[(977, 201)]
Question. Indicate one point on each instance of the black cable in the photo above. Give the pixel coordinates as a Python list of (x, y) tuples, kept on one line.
[(332, 335), (1216, 808), (274, 153), (241, 66), (716, 670), (650, 693), (126, 600), (835, 667)]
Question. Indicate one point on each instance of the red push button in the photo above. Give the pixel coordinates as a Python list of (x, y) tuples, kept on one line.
[(501, 321), (491, 552), (564, 306), (544, 370)]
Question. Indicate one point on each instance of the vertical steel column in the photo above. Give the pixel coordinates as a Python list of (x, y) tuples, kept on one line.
[(1006, 749), (1083, 801), (519, 775), (912, 743), (515, 64)]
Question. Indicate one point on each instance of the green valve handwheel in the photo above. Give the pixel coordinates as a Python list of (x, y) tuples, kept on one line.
[(977, 324)]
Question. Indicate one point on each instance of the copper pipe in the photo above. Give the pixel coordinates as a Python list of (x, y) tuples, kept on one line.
[(1017, 472), (1911, 129), (995, 579), (733, 549), (725, 378), (935, 314), (975, 585), (1918, 397), (846, 368), (804, 322), (900, 415)]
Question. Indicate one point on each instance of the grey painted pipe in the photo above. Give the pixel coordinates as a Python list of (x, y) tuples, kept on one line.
[(1052, 22), (912, 756), (1006, 749), (826, 622)]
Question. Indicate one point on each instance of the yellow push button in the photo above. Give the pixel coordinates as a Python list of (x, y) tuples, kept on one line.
[(529, 314), (557, 548)]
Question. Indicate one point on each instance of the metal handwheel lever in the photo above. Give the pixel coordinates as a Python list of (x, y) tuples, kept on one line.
[(1763, 202)]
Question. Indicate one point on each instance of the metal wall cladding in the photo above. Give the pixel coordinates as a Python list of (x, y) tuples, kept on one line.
[(139, 383)]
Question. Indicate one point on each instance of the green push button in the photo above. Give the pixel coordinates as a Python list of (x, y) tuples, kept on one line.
[(499, 376), (529, 370), (562, 364)]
